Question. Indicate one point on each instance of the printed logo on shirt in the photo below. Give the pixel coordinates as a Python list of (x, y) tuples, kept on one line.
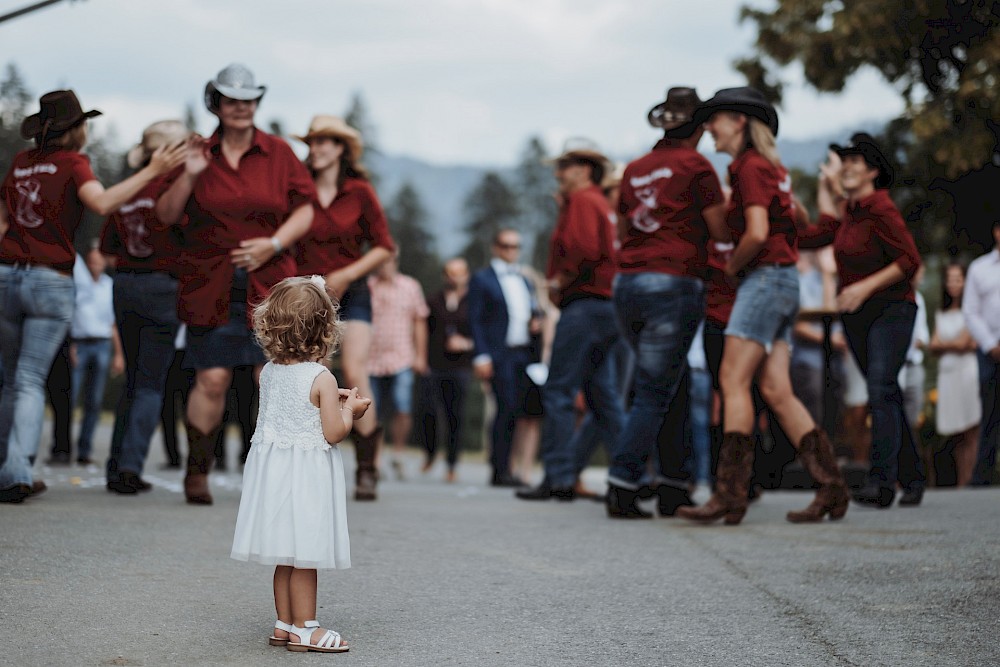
[(136, 231), (25, 213), (647, 191)]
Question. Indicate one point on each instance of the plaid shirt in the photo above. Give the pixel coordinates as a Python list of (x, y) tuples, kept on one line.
[(395, 306)]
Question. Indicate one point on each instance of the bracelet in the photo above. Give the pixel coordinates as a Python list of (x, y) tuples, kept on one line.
[(276, 244)]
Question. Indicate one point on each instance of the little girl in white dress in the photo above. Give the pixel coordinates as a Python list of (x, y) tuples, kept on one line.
[(293, 510)]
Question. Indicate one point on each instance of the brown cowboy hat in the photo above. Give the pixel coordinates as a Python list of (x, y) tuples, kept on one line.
[(160, 133), (60, 111), (336, 127), (675, 114)]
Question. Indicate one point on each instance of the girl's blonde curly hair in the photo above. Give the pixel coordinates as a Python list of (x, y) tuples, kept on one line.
[(298, 322)]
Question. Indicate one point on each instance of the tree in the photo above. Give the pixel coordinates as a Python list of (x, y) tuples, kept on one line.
[(15, 99), (941, 56), (407, 217), (535, 183), (491, 206), (358, 117)]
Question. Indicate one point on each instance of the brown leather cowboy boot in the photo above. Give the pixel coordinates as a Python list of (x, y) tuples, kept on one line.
[(366, 477), (832, 498), (201, 449), (732, 481)]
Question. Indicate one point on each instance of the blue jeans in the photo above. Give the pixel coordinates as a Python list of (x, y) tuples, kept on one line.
[(146, 314), (36, 307), (393, 393), (989, 428), (700, 410), (581, 358), (589, 433), (93, 359), (658, 315), (879, 336)]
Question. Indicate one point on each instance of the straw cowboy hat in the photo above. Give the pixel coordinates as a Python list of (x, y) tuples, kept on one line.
[(60, 111), (336, 127), (675, 115), (160, 133), (578, 149), (863, 144), (235, 82), (745, 100)]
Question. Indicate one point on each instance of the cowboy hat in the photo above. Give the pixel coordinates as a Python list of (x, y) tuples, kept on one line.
[(744, 100), (60, 111), (863, 144), (336, 127), (579, 149), (160, 133), (675, 115), (235, 82)]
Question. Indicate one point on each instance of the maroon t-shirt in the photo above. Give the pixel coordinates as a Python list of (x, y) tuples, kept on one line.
[(340, 231), (583, 246), (662, 196), (232, 205), (43, 205), (757, 182), (871, 235), (136, 238), (720, 289)]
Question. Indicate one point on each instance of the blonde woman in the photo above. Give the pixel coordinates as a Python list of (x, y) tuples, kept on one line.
[(761, 216)]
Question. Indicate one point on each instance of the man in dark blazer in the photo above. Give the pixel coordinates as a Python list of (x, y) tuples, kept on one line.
[(503, 315)]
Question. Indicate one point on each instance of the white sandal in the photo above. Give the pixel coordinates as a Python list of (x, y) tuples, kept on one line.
[(330, 642), (279, 641)]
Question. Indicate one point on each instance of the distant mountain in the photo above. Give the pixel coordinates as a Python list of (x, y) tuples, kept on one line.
[(443, 188)]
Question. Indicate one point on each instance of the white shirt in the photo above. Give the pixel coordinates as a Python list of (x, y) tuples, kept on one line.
[(981, 300), (94, 315), (921, 333), (518, 299)]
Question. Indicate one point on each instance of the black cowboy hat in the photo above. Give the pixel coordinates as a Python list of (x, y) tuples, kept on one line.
[(745, 100), (60, 111), (863, 144), (675, 115)]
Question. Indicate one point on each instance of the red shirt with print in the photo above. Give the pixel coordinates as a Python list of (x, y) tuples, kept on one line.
[(757, 182), (870, 236), (340, 231), (44, 209), (136, 238), (662, 196), (582, 251), (231, 205)]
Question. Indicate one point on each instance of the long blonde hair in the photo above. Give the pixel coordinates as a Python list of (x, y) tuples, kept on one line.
[(762, 139)]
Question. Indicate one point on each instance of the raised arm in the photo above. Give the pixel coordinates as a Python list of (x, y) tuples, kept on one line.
[(105, 201)]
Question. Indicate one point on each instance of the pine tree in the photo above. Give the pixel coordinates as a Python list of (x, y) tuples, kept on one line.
[(407, 219), (15, 102), (535, 183), (358, 117), (491, 206)]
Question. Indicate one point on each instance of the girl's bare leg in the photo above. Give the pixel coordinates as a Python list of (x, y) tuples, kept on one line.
[(282, 597), (303, 598)]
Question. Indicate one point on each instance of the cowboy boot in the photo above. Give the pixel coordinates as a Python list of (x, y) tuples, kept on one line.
[(366, 477), (201, 453), (832, 498), (732, 479)]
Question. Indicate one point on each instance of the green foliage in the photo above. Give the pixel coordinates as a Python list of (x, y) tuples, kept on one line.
[(15, 104), (943, 57), (491, 206), (535, 183), (407, 219), (358, 117)]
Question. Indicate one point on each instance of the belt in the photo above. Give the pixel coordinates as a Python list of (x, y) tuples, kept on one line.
[(138, 270), (32, 265), (91, 339)]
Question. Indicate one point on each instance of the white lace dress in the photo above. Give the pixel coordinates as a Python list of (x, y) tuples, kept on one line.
[(959, 407), (293, 510)]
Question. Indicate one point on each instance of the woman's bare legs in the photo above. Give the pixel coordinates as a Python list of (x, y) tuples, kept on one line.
[(524, 447), (966, 448), (740, 360), (776, 388), (207, 400)]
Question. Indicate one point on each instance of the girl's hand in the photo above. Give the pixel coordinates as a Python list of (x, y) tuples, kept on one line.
[(852, 297), (196, 155), (167, 158), (252, 253), (356, 404)]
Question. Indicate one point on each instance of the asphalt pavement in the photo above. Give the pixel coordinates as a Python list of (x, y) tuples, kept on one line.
[(464, 574)]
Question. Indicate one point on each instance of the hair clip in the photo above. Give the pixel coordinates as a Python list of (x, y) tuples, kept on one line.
[(318, 281)]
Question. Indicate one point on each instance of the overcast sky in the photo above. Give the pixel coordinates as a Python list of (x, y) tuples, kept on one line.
[(448, 81)]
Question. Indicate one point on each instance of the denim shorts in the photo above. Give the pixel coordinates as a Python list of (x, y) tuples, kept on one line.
[(767, 302), (356, 303), (393, 393)]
